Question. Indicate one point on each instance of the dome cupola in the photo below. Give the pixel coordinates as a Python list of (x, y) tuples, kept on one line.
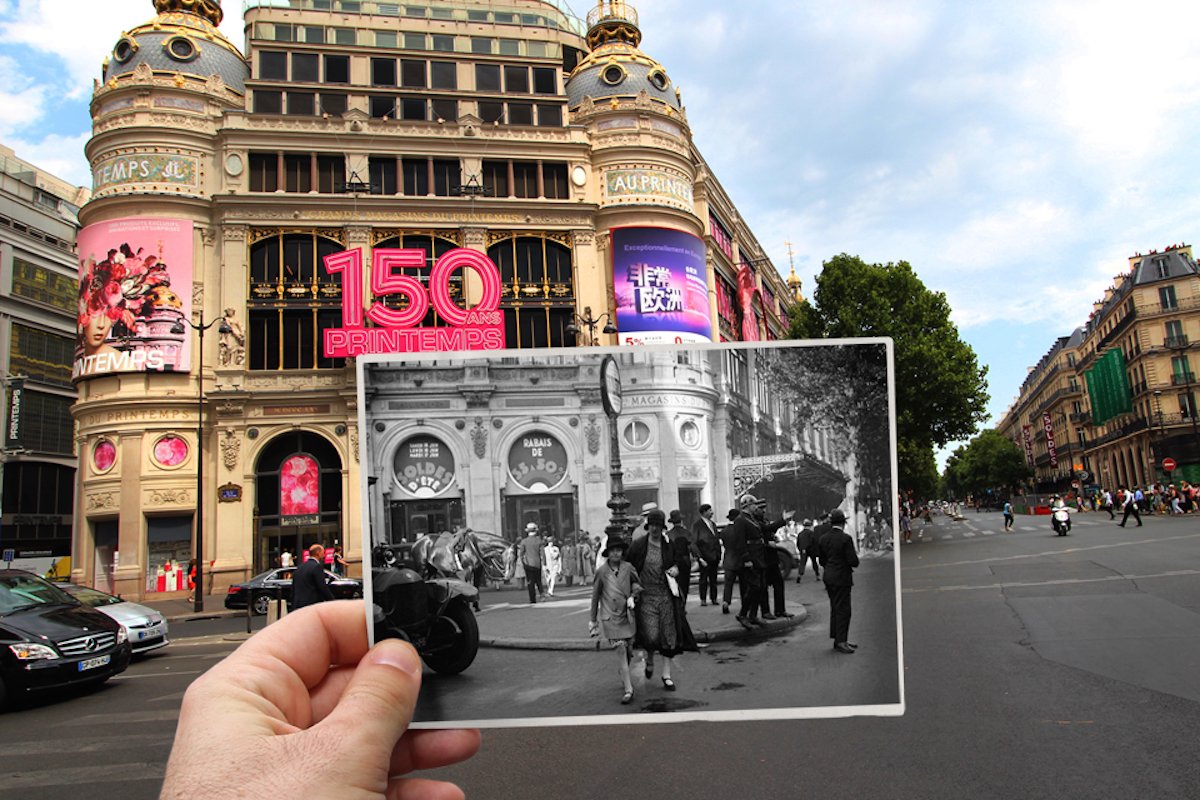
[(616, 67)]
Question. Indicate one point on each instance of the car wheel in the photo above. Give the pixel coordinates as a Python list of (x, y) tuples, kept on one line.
[(262, 604), (453, 641)]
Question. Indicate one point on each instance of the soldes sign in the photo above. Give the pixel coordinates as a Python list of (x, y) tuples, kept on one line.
[(395, 330)]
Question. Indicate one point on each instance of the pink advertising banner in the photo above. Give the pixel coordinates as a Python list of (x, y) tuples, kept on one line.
[(135, 285)]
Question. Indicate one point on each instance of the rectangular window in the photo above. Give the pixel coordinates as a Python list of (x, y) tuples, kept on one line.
[(445, 110), (510, 47), (416, 176), (285, 33), (491, 111), (345, 36), (337, 69), (1166, 298), (441, 13), (46, 424), (495, 178), (41, 355), (264, 172), (272, 65), (525, 179), (264, 338), (414, 41), (383, 107), (520, 114), (304, 67), (268, 102), (387, 9), (383, 174), (544, 81), (554, 179), (331, 173), (1163, 268), (42, 285), (443, 75), (301, 103), (481, 46), (446, 177), (383, 71), (516, 80), (487, 78), (297, 170), (412, 74), (549, 116), (413, 108), (386, 39), (314, 35), (477, 16), (333, 104), (443, 44)]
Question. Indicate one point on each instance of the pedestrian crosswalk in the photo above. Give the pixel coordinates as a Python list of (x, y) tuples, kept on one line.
[(964, 530)]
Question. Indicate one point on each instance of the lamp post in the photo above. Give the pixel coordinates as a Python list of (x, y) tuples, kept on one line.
[(610, 399), (200, 328), (591, 323)]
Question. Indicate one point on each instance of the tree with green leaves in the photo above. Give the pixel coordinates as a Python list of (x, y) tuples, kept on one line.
[(941, 390), (989, 461)]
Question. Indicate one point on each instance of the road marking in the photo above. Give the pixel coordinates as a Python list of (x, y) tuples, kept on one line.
[(157, 675), (125, 717), (60, 746), (947, 536), (969, 534), (83, 776), (1059, 582), (1135, 543), (989, 533)]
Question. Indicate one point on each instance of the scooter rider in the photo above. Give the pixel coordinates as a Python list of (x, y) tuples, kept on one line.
[(1060, 516)]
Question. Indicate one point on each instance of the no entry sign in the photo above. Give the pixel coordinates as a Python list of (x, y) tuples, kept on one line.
[(1168, 464)]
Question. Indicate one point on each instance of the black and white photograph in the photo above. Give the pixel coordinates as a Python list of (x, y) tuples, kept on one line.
[(637, 534)]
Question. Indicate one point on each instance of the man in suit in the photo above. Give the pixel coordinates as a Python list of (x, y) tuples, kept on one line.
[(530, 550), (772, 574), (683, 549), (708, 550), (839, 559), (731, 561), (748, 537), (308, 583)]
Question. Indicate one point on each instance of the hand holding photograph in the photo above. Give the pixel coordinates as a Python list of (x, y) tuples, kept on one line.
[(539, 518)]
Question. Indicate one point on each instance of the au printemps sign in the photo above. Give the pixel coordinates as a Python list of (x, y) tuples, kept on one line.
[(397, 330)]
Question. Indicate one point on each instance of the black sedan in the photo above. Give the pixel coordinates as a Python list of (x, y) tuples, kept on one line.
[(276, 584), (49, 640)]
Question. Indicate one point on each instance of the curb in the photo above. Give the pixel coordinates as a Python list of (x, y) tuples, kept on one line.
[(193, 616), (768, 629)]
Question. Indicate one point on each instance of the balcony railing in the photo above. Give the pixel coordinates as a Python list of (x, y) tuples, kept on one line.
[(1183, 378), (1175, 342), (1117, 330)]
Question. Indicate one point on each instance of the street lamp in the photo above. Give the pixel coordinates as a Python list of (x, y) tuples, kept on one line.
[(200, 328), (591, 323), (611, 400)]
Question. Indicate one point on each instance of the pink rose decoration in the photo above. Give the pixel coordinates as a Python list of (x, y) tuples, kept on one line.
[(299, 491), (170, 451), (104, 456)]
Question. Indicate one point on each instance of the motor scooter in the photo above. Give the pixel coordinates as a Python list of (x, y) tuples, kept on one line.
[(434, 615), (1060, 519)]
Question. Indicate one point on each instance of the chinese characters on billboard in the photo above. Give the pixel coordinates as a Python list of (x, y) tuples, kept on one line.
[(135, 286), (660, 286)]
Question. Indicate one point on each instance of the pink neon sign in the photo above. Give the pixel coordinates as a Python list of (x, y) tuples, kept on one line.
[(394, 330)]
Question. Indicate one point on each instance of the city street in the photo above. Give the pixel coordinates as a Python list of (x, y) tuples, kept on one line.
[(1035, 666)]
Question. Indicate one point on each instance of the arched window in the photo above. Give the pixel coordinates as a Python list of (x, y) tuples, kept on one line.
[(434, 245), (538, 294)]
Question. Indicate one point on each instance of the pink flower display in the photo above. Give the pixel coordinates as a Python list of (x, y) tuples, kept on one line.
[(299, 486), (170, 451), (104, 456)]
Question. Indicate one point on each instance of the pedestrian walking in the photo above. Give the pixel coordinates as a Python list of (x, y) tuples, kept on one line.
[(1008, 516), (339, 562), (806, 547), (286, 559), (1131, 507), (308, 583), (708, 548), (531, 562), (615, 590), (772, 575), (1108, 504), (731, 560), (684, 551), (552, 565), (839, 560), (661, 624)]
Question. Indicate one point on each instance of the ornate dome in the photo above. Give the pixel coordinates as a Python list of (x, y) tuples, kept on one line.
[(616, 67), (183, 38)]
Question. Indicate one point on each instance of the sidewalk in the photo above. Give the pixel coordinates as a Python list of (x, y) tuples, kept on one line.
[(507, 620), (182, 610)]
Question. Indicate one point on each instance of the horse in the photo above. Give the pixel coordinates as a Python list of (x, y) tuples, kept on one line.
[(471, 556)]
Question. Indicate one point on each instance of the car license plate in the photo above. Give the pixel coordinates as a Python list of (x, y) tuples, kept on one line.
[(92, 663), (149, 633)]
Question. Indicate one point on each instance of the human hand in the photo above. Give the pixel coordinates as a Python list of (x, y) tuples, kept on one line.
[(673, 571), (303, 709), (631, 601), (787, 516)]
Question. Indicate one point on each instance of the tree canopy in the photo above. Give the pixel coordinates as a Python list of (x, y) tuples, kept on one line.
[(941, 390), (989, 461)]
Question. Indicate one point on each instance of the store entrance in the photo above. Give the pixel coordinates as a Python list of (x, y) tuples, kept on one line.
[(412, 519), (295, 538), (554, 514)]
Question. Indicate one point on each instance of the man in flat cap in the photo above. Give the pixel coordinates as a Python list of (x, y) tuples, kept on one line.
[(839, 559)]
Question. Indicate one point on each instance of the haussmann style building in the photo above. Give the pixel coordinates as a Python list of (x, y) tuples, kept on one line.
[(222, 179)]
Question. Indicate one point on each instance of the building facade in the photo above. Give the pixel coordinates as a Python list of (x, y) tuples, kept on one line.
[(553, 146), (38, 274), (1114, 403)]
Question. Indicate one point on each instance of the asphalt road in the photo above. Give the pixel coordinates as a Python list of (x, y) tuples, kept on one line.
[(1035, 667)]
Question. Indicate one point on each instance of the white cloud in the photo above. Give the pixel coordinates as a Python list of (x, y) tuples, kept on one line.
[(21, 102)]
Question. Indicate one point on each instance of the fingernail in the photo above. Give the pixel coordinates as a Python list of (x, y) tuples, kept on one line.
[(396, 655)]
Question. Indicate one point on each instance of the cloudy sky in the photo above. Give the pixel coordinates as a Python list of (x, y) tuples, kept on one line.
[(1016, 153)]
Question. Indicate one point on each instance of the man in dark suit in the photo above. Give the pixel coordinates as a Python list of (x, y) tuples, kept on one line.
[(731, 562), (838, 557), (708, 551), (772, 574), (683, 550), (308, 583)]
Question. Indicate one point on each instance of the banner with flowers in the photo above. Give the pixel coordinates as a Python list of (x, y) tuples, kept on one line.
[(135, 290)]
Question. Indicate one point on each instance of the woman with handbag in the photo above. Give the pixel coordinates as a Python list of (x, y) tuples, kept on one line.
[(660, 615), (614, 593)]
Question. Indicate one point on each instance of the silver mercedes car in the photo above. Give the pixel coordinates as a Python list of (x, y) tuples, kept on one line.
[(147, 628)]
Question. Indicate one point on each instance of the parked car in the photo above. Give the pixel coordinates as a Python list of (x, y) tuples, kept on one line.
[(145, 627), (259, 591), (49, 640)]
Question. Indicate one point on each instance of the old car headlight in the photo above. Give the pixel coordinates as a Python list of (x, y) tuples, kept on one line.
[(28, 651)]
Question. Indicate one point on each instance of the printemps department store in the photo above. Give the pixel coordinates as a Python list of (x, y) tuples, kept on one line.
[(553, 146)]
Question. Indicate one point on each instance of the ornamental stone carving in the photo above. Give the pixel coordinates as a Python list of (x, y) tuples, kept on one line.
[(358, 236), (208, 235), (234, 233), (584, 238), (354, 443), (591, 432), (474, 238), (233, 341), (479, 438), (167, 497), (231, 445), (101, 501)]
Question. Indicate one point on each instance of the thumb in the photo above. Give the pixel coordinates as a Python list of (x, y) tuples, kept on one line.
[(377, 705)]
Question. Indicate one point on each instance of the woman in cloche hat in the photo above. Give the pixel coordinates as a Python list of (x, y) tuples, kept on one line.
[(614, 592)]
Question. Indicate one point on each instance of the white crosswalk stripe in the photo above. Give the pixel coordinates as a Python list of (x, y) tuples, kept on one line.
[(969, 534)]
